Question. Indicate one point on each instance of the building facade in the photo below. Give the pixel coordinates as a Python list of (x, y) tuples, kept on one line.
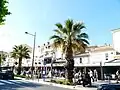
[(95, 57), (115, 39)]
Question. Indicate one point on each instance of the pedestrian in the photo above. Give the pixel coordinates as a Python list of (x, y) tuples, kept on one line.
[(91, 75), (117, 76), (95, 75), (86, 79)]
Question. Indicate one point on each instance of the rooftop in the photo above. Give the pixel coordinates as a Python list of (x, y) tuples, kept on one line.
[(115, 30)]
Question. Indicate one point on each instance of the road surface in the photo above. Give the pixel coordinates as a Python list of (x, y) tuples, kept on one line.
[(24, 85)]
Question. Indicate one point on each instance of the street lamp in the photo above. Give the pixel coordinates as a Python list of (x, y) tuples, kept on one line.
[(34, 35)]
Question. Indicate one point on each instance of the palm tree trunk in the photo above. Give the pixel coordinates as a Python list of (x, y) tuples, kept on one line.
[(69, 70), (19, 66), (69, 65)]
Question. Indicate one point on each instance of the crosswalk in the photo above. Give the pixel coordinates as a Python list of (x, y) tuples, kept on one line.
[(11, 82)]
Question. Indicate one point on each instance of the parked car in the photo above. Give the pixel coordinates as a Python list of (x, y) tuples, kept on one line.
[(6, 74), (109, 87)]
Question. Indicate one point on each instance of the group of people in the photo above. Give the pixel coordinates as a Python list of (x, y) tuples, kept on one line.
[(86, 77)]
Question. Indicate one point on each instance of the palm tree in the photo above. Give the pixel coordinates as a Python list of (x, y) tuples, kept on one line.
[(3, 57), (20, 52), (71, 40)]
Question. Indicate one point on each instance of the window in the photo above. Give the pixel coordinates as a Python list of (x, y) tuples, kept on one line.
[(106, 56), (35, 62), (111, 52), (47, 60), (80, 60), (48, 47), (39, 63)]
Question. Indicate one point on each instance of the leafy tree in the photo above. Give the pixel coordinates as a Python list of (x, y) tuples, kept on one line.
[(2, 57), (70, 39), (3, 11), (20, 52)]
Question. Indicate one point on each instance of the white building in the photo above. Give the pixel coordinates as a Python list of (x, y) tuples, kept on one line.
[(94, 56), (116, 39)]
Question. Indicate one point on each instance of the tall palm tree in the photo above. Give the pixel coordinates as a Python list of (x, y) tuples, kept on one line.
[(70, 39), (20, 52)]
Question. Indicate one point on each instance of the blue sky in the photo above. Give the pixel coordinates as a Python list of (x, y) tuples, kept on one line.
[(99, 16)]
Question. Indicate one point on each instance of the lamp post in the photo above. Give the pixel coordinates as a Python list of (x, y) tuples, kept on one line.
[(34, 35)]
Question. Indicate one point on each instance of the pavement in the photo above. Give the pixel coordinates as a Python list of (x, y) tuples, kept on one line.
[(25, 85)]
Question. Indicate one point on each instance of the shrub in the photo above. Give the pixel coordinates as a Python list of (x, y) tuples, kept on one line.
[(54, 81), (22, 76), (66, 82), (61, 81)]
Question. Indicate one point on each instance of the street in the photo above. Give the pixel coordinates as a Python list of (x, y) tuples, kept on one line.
[(24, 85)]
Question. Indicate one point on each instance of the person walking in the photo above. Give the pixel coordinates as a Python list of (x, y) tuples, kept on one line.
[(91, 75), (95, 75), (117, 76)]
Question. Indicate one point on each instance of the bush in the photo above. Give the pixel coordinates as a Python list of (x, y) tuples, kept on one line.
[(61, 81), (22, 76), (54, 81), (67, 83)]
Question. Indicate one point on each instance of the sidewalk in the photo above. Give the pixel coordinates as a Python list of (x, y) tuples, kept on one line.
[(77, 87)]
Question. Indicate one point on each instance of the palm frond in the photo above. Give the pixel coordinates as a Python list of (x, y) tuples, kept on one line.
[(78, 27), (58, 32), (55, 37), (58, 42), (70, 36), (83, 35), (69, 25), (59, 25), (84, 41), (20, 51)]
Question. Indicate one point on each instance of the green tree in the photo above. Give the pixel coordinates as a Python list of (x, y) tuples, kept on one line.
[(3, 11), (3, 57), (20, 52), (70, 39)]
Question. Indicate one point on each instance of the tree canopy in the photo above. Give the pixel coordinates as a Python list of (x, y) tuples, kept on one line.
[(3, 11)]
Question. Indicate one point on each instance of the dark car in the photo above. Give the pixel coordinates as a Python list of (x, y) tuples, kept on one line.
[(109, 87), (6, 74)]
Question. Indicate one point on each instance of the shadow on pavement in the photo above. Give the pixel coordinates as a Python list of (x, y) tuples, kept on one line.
[(15, 85), (93, 86)]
